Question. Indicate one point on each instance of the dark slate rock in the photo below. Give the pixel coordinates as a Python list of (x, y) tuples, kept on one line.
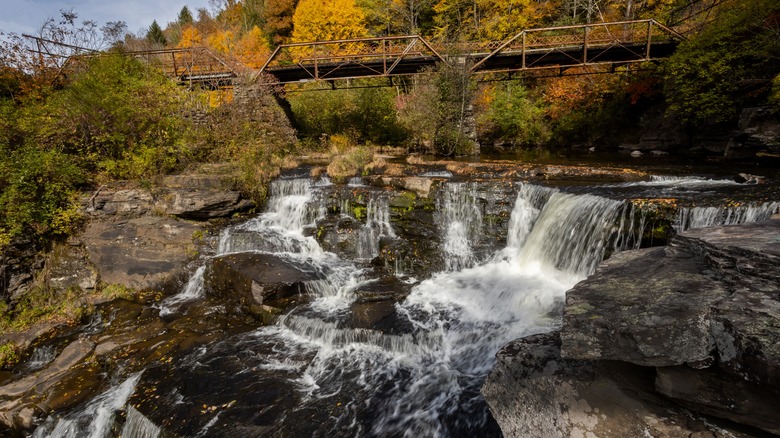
[(650, 307), (533, 392), (255, 280)]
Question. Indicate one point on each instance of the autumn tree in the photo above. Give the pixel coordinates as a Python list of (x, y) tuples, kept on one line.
[(278, 20), (322, 20), (190, 37)]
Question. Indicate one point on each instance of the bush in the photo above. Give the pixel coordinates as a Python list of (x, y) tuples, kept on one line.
[(37, 193), (118, 115), (351, 162), (727, 66), (512, 115), (366, 114), (436, 111)]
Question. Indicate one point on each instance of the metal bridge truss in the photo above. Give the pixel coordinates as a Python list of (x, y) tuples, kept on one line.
[(531, 49)]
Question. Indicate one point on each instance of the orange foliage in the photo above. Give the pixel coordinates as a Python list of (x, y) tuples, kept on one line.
[(251, 49), (190, 37)]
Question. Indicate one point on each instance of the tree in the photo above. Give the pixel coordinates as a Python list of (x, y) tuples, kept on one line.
[(155, 34), (251, 49), (185, 17), (278, 20), (730, 63), (190, 37), (322, 20)]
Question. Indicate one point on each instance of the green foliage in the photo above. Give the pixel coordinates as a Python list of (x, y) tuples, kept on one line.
[(774, 97), (513, 115), (184, 18), (437, 110), (727, 65), (119, 115), (37, 193), (42, 304), (9, 355), (367, 114)]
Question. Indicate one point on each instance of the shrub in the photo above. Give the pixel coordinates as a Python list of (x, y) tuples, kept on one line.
[(512, 115), (351, 163), (366, 114), (9, 355), (37, 193)]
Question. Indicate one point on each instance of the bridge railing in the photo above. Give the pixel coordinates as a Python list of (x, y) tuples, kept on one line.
[(383, 53), (591, 40)]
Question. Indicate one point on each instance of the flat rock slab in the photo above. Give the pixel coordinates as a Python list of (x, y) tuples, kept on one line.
[(205, 204), (760, 237), (649, 307), (140, 253), (533, 392), (257, 279)]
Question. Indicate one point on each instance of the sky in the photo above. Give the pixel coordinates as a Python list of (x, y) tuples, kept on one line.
[(26, 16)]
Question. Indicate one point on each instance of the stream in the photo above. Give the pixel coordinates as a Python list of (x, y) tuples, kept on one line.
[(338, 364)]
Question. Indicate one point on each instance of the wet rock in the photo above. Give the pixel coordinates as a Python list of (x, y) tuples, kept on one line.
[(533, 392), (140, 253), (204, 204), (649, 307), (257, 280), (716, 393), (40, 392), (339, 234)]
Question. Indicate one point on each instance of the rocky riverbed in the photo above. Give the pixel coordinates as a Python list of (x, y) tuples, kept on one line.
[(353, 267)]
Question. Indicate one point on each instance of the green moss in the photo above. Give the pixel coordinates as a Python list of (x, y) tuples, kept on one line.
[(359, 211), (9, 355), (579, 309), (406, 201)]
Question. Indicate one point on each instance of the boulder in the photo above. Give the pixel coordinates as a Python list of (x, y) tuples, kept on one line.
[(649, 307), (533, 392), (256, 280)]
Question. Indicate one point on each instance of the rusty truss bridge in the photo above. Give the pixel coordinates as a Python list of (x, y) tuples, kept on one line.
[(532, 49)]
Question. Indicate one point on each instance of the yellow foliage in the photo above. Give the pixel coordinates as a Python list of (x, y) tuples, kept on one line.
[(502, 19), (219, 97), (190, 37), (323, 20), (222, 41)]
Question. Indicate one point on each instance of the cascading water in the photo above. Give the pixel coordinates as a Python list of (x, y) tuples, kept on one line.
[(418, 375), (460, 217), (95, 420), (377, 226), (423, 378), (699, 217)]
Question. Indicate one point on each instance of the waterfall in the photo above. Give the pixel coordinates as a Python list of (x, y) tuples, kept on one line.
[(573, 232), (377, 226), (41, 357), (699, 217), (460, 216), (291, 207), (96, 419), (138, 426), (191, 291)]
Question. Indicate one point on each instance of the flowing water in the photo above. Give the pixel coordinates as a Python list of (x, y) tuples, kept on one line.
[(314, 372)]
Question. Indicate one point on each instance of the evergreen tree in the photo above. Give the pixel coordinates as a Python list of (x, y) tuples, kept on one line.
[(185, 17), (155, 34)]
